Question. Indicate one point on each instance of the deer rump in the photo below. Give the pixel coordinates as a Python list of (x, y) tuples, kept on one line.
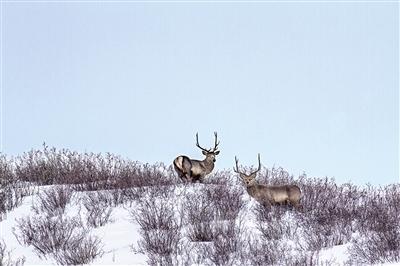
[(186, 168)]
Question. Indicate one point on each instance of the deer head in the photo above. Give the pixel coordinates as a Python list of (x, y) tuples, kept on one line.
[(248, 179), (209, 153)]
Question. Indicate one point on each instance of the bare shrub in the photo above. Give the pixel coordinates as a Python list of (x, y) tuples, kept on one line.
[(328, 212), (159, 229), (319, 237), (6, 257), (317, 194), (272, 224), (392, 197), (154, 181), (301, 257), (160, 246), (211, 216), (378, 225), (379, 209), (191, 253), (53, 201), (155, 214), (201, 232), (51, 166), (98, 211), (115, 197), (227, 245), (199, 211), (325, 228), (33, 167), (208, 211), (274, 176), (219, 178), (227, 200), (161, 192), (47, 234), (124, 196), (267, 212), (61, 238), (264, 252), (78, 253), (159, 174), (90, 171), (376, 247), (277, 252), (135, 175), (12, 190), (320, 196)]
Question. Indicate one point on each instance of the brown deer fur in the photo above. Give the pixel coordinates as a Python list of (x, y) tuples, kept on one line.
[(269, 195), (195, 170)]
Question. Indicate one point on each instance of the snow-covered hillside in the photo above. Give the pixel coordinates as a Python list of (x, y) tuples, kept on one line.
[(69, 208), (117, 236), (120, 235)]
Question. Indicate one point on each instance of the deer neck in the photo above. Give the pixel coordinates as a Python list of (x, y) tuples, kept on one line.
[(208, 165), (252, 188)]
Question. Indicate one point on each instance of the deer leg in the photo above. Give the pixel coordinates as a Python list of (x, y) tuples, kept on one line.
[(298, 206), (266, 204), (295, 205), (197, 178), (188, 177), (182, 176), (289, 204), (191, 177)]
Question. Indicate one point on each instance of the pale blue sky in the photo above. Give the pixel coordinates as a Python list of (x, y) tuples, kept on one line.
[(313, 87)]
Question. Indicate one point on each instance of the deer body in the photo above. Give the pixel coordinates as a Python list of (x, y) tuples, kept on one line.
[(269, 195), (195, 170), (272, 195), (192, 170)]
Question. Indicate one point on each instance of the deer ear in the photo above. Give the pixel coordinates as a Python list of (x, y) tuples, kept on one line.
[(217, 152), (204, 152)]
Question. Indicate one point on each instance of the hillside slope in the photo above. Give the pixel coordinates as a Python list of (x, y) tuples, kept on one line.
[(60, 207)]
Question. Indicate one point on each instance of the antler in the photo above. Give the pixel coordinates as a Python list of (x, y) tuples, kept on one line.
[(216, 143), (237, 166), (259, 166), (198, 145), (236, 170)]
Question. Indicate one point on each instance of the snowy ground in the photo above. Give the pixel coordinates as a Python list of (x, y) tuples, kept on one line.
[(118, 236)]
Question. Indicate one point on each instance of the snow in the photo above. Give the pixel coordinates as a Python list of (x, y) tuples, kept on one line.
[(117, 236), (7, 227), (120, 236), (337, 255)]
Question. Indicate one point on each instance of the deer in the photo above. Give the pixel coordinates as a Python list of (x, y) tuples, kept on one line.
[(268, 195), (195, 170)]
